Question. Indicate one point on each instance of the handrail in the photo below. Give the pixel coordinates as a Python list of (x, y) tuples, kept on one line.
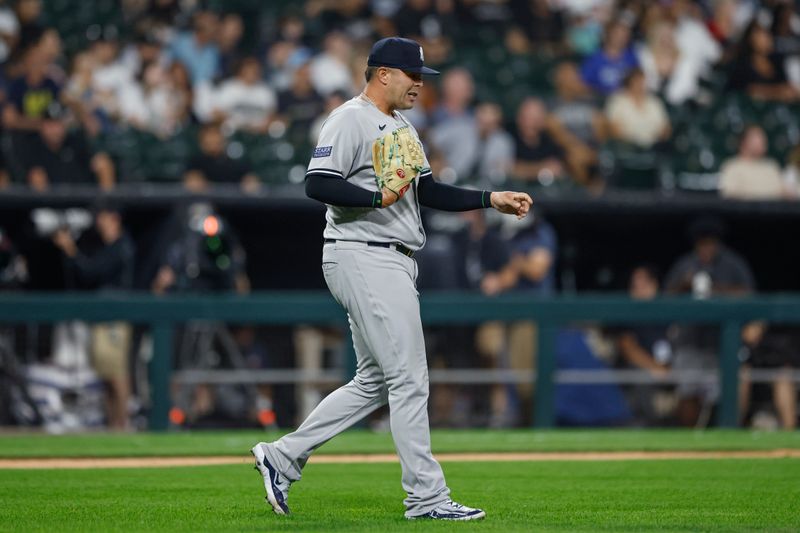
[(162, 313)]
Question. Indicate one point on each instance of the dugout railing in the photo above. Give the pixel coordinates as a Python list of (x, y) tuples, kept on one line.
[(163, 314)]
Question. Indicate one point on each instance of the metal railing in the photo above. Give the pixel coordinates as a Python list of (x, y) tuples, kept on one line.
[(162, 314)]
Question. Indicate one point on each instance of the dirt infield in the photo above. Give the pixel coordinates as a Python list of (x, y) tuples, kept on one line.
[(163, 462)]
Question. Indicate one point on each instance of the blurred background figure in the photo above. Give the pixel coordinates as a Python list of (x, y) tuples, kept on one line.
[(58, 156), (108, 267), (495, 157), (646, 347), (538, 157), (711, 268), (758, 70), (245, 102), (454, 129), (605, 70), (670, 73), (635, 116), (577, 124), (751, 175), (330, 69), (774, 347), (197, 50), (214, 166)]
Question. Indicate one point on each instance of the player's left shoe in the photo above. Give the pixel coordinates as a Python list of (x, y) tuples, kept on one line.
[(451, 510), (276, 484)]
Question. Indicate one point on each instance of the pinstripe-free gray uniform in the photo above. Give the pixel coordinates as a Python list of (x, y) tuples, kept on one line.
[(377, 288)]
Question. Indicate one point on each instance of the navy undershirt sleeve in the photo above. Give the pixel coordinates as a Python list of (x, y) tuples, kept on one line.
[(449, 198), (337, 191)]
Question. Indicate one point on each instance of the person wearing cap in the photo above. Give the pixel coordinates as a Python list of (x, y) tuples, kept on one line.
[(371, 236)]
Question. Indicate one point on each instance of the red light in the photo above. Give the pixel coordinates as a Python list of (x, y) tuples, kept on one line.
[(211, 225)]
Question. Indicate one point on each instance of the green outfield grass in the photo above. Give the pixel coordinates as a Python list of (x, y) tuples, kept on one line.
[(721, 495), (645, 495), (237, 443)]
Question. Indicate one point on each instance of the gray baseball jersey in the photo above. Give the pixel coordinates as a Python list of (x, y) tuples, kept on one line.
[(372, 283), (344, 150)]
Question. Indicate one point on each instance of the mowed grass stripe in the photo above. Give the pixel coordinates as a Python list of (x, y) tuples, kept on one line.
[(723, 495), (209, 443)]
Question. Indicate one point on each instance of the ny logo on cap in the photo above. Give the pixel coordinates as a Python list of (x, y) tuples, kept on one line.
[(421, 57)]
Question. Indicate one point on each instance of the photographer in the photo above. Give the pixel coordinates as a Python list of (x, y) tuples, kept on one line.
[(108, 267)]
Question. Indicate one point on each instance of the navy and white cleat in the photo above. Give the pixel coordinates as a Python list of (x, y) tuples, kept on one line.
[(451, 510), (277, 485)]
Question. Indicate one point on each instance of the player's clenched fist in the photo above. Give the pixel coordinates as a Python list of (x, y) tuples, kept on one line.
[(512, 203)]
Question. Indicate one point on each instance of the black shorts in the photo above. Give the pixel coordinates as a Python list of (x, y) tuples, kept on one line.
[(779, 348)]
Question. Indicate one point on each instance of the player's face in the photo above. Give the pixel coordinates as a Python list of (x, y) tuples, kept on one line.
[(405, 88)]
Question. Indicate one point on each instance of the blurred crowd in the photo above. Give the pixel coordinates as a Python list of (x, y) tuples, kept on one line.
[(556, 95)]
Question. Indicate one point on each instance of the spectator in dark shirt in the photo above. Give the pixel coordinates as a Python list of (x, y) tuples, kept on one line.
[(59, 156), (645, 346), (531, 267), (577, 123), (758, 70), (213, 165), (299, 105), (774, 347), (418, 18), (30, 95), (480, 252), (109, 267), (604, 70), (530, 270), (543, 22), (538, 157), (710, 269)]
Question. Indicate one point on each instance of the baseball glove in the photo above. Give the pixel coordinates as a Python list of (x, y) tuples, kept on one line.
[(397, 158)]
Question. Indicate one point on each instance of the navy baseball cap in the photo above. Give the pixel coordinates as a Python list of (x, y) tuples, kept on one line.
[(399, 53)]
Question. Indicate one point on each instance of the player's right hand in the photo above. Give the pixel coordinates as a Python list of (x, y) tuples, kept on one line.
[(389, 197), (511, 203)]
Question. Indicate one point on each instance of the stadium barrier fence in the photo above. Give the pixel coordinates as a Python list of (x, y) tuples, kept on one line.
[(162, 314)]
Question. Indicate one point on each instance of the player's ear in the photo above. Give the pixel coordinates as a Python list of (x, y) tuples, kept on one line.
[(383, 75)]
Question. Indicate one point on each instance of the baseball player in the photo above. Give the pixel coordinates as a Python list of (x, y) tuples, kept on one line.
[(371, 171)]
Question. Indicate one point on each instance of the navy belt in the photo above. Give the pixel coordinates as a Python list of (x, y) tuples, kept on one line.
[(396, 246)]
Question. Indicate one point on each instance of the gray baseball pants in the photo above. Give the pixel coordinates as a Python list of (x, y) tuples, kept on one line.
[(377, 287)]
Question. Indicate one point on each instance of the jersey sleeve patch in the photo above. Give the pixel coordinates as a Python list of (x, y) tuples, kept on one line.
[(322, 151)]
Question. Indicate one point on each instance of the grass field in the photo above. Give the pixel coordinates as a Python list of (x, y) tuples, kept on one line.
[(644, 495), (238, 442)]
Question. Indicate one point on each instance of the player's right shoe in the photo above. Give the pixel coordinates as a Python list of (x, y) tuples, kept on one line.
[(276, 484), (451, 510)]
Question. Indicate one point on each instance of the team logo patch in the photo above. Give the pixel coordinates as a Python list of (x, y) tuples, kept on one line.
[(322, 151)]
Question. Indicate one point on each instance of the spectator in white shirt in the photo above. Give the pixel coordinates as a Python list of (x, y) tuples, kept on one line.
[(151, 104), (750, 175), (667, 70), (635, 116), (330, 70), (245, 102)]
